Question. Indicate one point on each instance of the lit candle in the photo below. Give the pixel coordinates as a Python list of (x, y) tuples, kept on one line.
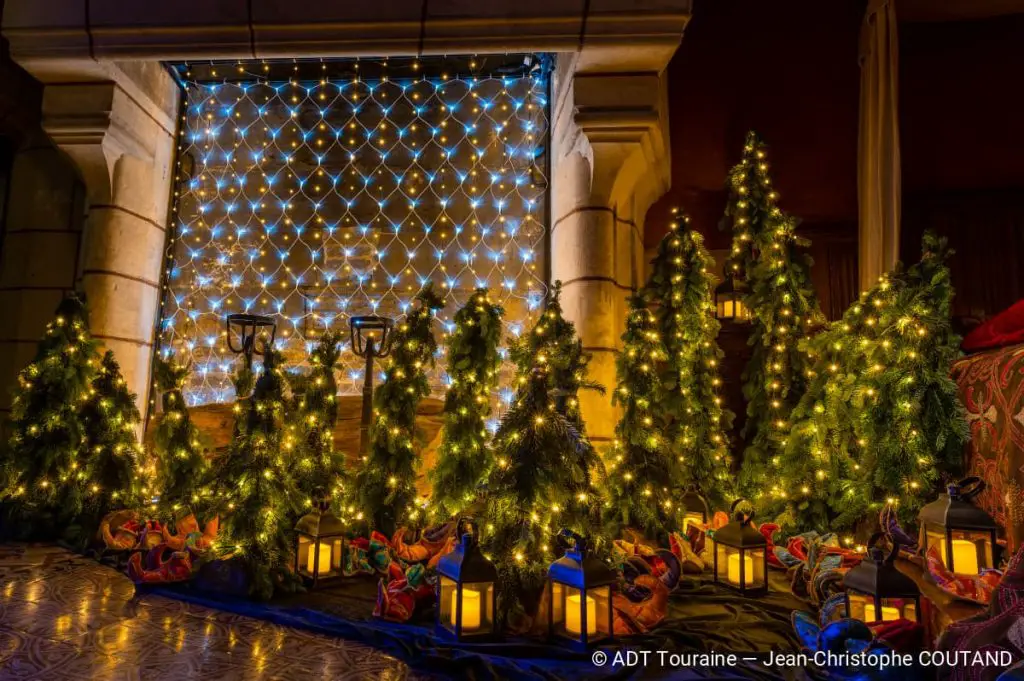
[(888, 614), (965, 557), (470, 608), (324, 566), (734, 569), (574, 615)]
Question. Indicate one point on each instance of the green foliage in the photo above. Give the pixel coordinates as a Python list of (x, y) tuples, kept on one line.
[(319, 467), (110, 446), (256, 495), (881, 419), (44, 472), (687, 409), (542, 480), (473, 364), (772, 260), (182, 472), (386, 482)]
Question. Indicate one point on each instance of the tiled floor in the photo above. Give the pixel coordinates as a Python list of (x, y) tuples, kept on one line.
[(67, 617)]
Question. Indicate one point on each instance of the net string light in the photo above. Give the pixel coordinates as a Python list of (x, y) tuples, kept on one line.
[(316, 191)]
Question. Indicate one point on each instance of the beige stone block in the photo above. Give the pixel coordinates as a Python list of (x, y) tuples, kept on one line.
[(159, 89), (595, 307), (44, 191), (598, 413), (118, 241), (584, 245), (570, 185), (121, 308), (39, 259)]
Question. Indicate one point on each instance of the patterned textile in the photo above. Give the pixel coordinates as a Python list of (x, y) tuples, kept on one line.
[(992, 388)]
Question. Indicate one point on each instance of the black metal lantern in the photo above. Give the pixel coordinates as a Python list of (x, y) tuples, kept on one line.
[(876, 591), (371, 338), (741, 555), (251, 328), (579, 596), (319, 544), (729, 300), (466, 599), (964, 534), (695, 509)]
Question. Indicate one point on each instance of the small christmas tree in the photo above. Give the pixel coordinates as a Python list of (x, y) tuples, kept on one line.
[(320, 467), (473, 364), (386, 481), (182, 472), (773, 262), (111, 447), (687, 407), (44, 472), (257, 497), (881, 421)]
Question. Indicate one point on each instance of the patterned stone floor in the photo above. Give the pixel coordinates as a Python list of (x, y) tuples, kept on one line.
[(63, 617)]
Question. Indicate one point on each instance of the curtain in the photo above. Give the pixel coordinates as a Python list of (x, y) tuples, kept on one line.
[(878, 153)]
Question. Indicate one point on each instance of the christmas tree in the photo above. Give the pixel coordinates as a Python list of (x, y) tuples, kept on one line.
[(386, 481), (473, 364), (687, 408), (319, 466), (541, 480), (257, 497), (109, 419), (182, 471), (772, 260), (43, 473), (881, 420)]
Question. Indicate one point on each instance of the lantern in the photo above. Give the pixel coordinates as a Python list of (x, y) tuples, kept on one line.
[(876, 591), (579, 596), (465, 591), (319, 544), (740, 555), (964, 534), (729, 300), (695, 509)]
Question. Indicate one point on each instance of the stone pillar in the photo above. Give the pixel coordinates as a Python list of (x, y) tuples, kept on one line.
[(120, 132), (609, 140)]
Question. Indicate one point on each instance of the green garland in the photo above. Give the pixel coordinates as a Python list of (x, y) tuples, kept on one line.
[(257, 496), (473, 365), (772, 260), (881, 421), (687, 407), (182, 471), (319, 467), (43, 470), (386, 481)]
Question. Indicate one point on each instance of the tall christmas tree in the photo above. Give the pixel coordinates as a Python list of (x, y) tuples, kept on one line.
[(544, 465), (319, 467), (386, 481), (772, 260), (182, 472), (111, 447), (257, 496), (881, 420), (687, 407), (44, 473), (473, 364)]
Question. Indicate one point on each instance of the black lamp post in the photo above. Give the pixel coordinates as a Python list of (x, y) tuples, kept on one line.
[(964, 533), (371, 337), (249, 329), (876, 591)]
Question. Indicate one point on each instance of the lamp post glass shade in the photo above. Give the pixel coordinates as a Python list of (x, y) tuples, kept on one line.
[(695, 509), (371, 338), (729, 300), (963, 534), (319, 545), (740, 555), (579, 596), (255, 334), (877, 591), (466, 599)]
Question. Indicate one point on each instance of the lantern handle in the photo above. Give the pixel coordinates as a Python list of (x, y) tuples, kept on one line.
[(891, 558), (968, 488), (743, 517), (465, 520), (572, 540)]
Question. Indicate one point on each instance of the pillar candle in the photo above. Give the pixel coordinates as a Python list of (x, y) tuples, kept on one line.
[(324, 566), (734, 569), (574, 615), (470, 608), (888, 614)]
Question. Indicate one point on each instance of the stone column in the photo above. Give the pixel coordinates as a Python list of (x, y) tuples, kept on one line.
[(609, 140), (119, 132)]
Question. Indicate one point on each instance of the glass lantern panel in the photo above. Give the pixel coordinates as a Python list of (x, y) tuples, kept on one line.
[(692, 518), (755, 577), (337, 553), (897, 608), (935, 535), (446, 595), (477, 610), (573, 606), (740, 310), (557, 604), (722, 557), (859, 604), (318, 558), (972, 551), (302, 553), (725, 308), (600, 613)]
